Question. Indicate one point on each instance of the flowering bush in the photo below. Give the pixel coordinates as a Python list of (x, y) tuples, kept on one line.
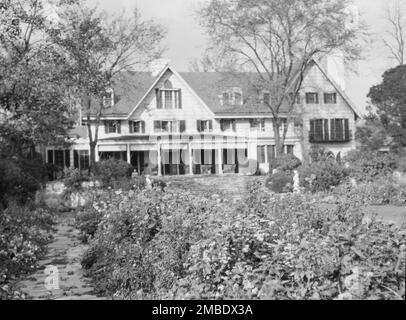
[(177, 245), (369, 165), (24, 233), (322, 175), (280, 182), (112, 170), (285, 162)]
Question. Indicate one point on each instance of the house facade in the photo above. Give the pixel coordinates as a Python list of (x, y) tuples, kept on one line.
[(170, 123)]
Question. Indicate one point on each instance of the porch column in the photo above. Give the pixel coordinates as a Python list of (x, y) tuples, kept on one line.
[(159, 160), (266, 154), (71, 159), (220, 159), (190, 159), (96, 156), (128, 154), (139, 163)]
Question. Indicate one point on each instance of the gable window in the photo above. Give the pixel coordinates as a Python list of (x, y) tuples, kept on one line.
[(232, 96), (108, 98), (168, 98), (226, 98), (227, 125), (237, 99), (204, 125), (112, 126), (257, 124), (170, 126), (137, 126), (330, 98), (312, 98)]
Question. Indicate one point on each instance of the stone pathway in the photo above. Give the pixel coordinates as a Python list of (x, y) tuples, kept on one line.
[(67, 280)]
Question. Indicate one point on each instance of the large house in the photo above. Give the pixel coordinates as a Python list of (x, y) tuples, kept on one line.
[(171, 123)]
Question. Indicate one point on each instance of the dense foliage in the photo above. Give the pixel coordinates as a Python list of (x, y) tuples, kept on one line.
[(285, 162), (173, 244), (112, 170), (369, 165), (389, 99), (280, 182), (24, 233), (322, 175)]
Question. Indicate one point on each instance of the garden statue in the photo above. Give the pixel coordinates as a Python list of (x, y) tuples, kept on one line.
[(148, 182)]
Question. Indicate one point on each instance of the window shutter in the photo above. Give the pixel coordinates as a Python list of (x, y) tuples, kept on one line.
[(158, 99), (180, 98), (233, 125), (326, 135), (347, 130), (157, 126), (222, 125), (142, 126), (182, 125), (317, 98), (199, 126), (118, 126), (333, 130), (211, 125), (106, 126), (312, 129), (131, 126)]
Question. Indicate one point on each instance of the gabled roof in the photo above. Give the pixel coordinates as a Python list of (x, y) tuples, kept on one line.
[(133, 87)]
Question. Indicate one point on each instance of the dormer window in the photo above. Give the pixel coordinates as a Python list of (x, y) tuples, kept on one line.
[(266, 97), (108, 98), (237, 96), (168, 98), (232, 97)]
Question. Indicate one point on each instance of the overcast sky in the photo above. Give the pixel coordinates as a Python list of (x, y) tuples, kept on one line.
[(186, 40)]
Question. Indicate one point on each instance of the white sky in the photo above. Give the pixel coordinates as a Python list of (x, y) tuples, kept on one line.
[(186, 40)]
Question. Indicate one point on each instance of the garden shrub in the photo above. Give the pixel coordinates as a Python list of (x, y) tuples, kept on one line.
[(112, 170), (24, 233), (176, 245), (369, 165), (73, 179), (285, 162), (319, 153), (322, 175), (280, 182), (17, 181)]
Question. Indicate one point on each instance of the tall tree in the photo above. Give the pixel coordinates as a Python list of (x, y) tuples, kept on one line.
[(389, 100), (32, 90), (396, 33), (100, 46), (277, 40)]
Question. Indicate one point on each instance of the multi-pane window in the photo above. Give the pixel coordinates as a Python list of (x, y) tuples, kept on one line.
[(169, 98), (112, 126), (108, 98), (81, 159), (60, 158), (204, 125), (137, 126), (295, 99), (170, 126), (227, 125), (312, 98), (283, 124), (330, 98), (257, 124), (232, 96), (290, 149), (261, 154), (237, 97), (333, 130)]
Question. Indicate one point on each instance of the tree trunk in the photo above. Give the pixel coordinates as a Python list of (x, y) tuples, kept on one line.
[(278, 142), (92, 146)]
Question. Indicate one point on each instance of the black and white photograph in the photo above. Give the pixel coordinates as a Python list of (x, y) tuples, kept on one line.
[(220, 152)]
